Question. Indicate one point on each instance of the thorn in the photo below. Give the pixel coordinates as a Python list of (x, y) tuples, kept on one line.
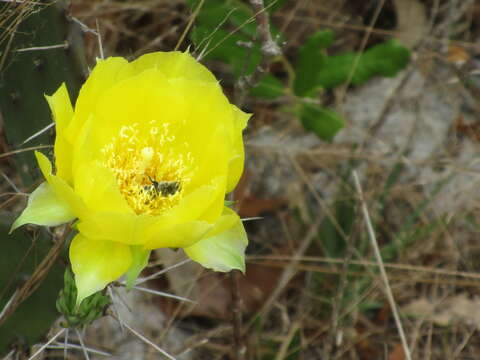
[(158, 273), (147, 341), (164, 294), (44, 346), (85, 352), (38, 133)]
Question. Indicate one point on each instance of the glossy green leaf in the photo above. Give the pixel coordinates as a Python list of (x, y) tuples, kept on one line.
[(385, 59), (325, 123)]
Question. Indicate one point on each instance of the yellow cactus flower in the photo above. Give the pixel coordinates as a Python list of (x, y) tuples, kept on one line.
[(144, 161)]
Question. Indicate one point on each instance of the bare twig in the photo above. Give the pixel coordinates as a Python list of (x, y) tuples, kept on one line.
[(269, 49), (383, 273), (32, 148)]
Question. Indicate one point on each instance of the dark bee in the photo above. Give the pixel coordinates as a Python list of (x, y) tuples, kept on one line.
[(163, 188)]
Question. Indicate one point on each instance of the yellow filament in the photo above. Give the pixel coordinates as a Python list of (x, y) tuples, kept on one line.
[(139, 157)]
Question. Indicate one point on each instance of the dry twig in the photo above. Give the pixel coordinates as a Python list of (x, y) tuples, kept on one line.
[(269, 49)]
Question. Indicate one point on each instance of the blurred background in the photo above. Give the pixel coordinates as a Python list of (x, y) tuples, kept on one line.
[(389, 89)]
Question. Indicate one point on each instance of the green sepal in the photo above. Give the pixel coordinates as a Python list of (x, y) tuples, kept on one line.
[(139, 262)]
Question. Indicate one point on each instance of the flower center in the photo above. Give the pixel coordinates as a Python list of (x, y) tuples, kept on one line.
[(150, 166)]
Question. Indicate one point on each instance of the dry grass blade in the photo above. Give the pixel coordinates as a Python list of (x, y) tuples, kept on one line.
[(189, 24), (378, 256), (33, 148)]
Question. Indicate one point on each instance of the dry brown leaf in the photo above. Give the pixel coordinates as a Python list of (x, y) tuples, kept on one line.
[(252, 206), (457, 55), (472, 131)]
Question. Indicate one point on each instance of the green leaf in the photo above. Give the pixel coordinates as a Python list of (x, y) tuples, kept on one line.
[(324, 122), (311, 59), (335, 70), (212, 34), (225, 47), (385, 59), (268, 88)]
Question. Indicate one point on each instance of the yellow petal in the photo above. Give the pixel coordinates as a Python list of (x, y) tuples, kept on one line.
[(105, 74), (201, 200), (62, 111), (137, 100), (235, 165), (213, 211), (223, 251), (228, 219), (135, 229), (127, 229), (211, 158), (174, 64), (61, 107), (190, 220), (61, 189), (179, 235), (98, 188), (44, 208), (96, 263)]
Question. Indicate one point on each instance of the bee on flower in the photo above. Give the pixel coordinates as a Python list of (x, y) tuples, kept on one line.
[(143, 161)]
